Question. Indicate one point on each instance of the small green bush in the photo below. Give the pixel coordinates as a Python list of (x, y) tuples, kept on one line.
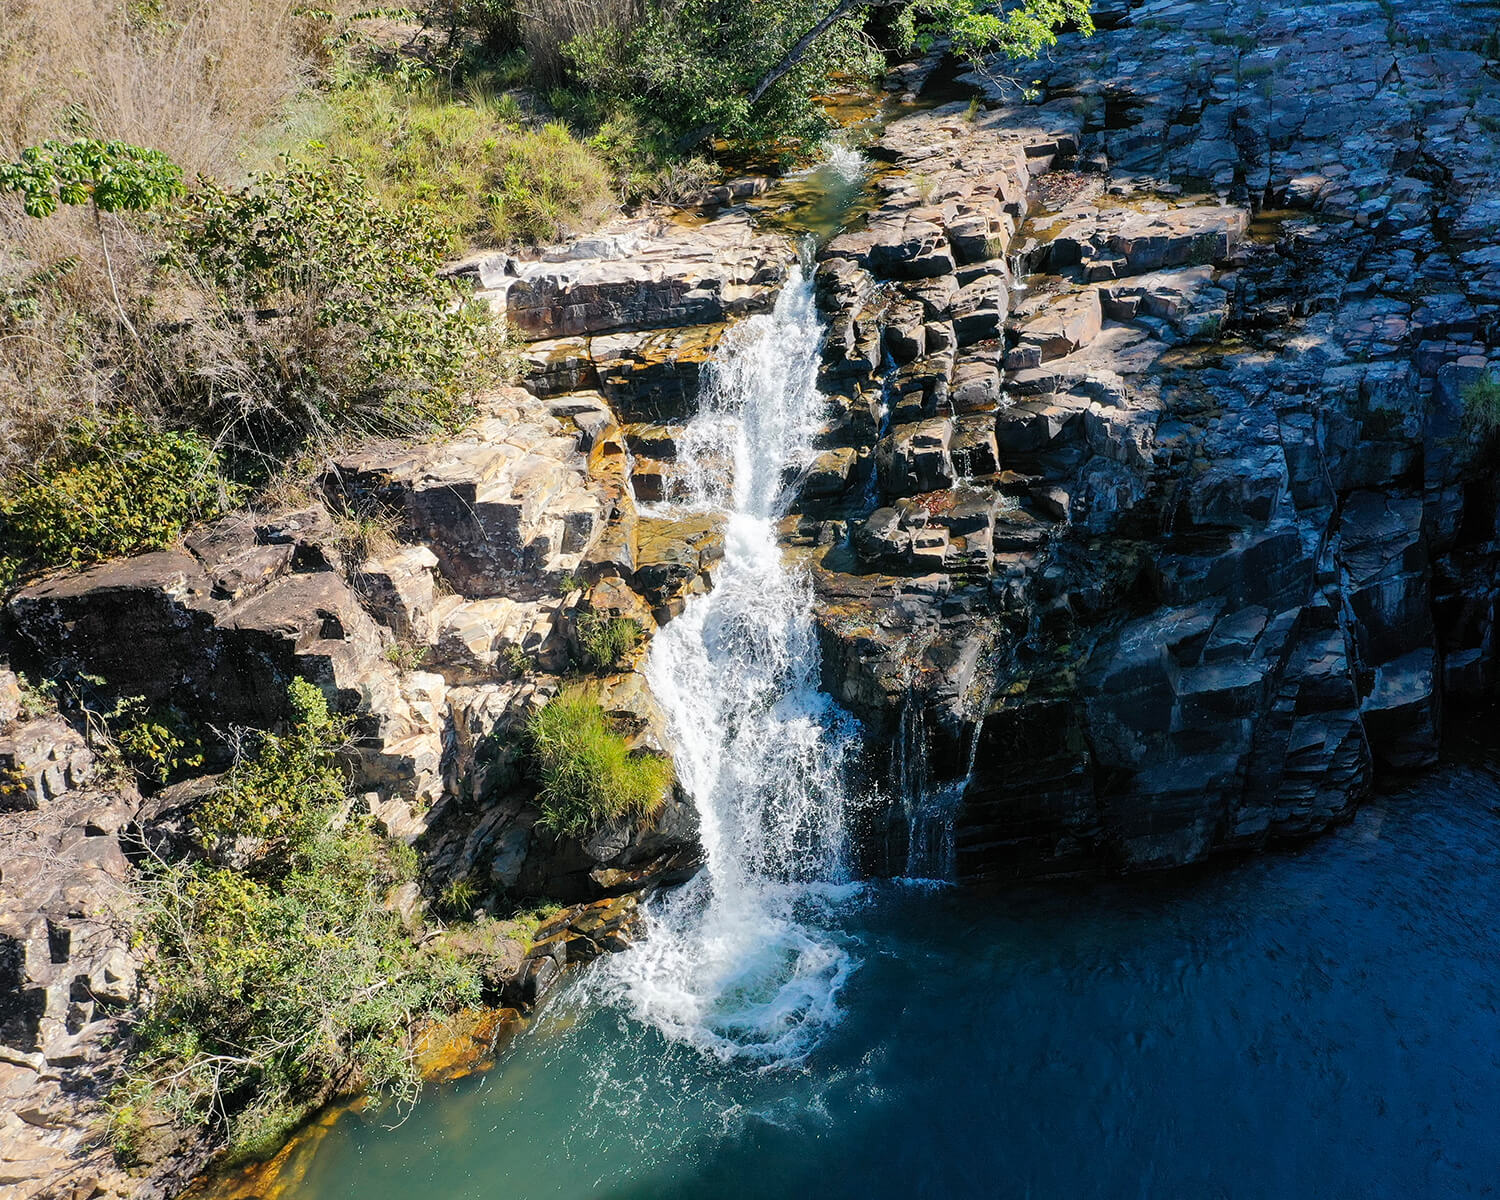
[(587, 772), (606, 641), (116, 487), (282, 975), (407, 655), (1482, 404), (519, 662), (160, 742), (280, 792)]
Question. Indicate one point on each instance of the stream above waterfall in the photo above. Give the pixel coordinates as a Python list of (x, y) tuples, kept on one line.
[(1315, 1022)]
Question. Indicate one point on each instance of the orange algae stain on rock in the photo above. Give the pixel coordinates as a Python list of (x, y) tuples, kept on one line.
[(465, 1042), (277, 1178)]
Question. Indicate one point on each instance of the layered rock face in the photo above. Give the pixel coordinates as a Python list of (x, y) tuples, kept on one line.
[(1151, 492), (435, 592), (66, 970)]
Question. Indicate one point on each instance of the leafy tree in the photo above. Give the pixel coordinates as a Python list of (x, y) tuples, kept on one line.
[(977, 28), (749, 71), (111, 176)]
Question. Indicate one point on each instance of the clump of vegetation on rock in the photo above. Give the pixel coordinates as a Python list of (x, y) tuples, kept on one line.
[(113, 486), (159, 742), (1482, 405), (277, 970), (607, 641), (587, 772)]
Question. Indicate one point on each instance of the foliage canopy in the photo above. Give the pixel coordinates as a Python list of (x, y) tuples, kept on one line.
[(751, 72), (114, 175)]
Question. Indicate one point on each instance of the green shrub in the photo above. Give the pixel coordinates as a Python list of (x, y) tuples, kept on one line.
[(114, 488), (606, 641), (280, 978), (279, 793), (127, 1123), (407, 655), (519, 662), (1481, 400), (158, 742), (587, 772), (306, 259)]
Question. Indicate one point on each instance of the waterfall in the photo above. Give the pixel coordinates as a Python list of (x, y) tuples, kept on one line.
[(931, 807), (736, 962)]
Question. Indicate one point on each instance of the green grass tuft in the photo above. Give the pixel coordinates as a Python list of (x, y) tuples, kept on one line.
[(607, 641), (588, 774), (469, 160), (1482, 404)]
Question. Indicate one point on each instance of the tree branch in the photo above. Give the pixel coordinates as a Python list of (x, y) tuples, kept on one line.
[(790, 59), (109, 269), (804, 43)]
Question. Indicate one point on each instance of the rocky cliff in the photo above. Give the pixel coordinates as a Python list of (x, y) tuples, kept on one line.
[(439, 593), (1151, 491)]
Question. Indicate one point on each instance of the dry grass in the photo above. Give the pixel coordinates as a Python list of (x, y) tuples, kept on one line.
[(200, 80), (220, 87), (194, 79), (548, 25)]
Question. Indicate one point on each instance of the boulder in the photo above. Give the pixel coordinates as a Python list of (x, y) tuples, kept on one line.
[(641, 275)]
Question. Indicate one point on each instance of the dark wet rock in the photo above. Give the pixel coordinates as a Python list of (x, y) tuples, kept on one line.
[(1241, 541)]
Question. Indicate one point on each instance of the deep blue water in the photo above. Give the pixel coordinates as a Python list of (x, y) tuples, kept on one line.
[(1317, 1022)]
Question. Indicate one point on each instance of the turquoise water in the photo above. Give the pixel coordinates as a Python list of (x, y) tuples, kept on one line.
[(1321, 1022)]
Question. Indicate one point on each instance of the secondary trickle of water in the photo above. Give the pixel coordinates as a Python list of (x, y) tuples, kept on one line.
[(736, 962), (931, 806)]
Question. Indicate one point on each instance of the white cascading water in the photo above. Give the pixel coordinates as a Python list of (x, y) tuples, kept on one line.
[(846, 163), (735, 962), (932, 806)]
